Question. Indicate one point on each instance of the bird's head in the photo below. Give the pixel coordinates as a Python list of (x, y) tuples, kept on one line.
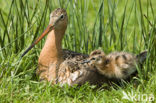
[(59, 19), (97, 57), (58, 22)]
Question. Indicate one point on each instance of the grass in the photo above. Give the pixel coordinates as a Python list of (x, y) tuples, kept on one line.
[(113, 25)]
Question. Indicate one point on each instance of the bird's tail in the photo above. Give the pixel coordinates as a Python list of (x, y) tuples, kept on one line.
[(142, 56)]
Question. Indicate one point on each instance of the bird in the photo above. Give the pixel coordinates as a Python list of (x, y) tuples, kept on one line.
[(117, 65), (62, 66), (52, 57)]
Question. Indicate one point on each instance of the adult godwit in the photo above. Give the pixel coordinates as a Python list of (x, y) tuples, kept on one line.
[(52, 54), (118, 65)]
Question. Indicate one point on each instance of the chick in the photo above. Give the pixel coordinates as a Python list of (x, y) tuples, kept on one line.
[(118, 65)]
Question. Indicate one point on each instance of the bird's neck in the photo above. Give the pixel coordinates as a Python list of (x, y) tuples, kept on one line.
[(52, 50)]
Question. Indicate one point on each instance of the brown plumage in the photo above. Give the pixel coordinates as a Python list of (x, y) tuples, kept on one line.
[(62, 66), (58, 65), (119, 65)]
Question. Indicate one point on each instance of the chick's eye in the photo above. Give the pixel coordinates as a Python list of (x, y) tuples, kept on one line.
[(62, 16), (92, 58)]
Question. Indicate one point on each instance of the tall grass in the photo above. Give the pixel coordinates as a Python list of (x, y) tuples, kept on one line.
[(112, 25)]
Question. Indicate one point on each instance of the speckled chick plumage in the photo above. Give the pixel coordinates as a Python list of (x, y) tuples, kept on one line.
[(119, 65)]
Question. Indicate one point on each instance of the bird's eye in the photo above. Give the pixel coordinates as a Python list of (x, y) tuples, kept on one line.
[(92, 58), (62, 16)]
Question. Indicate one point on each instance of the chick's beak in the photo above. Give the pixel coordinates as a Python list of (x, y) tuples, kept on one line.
[(85, 61)]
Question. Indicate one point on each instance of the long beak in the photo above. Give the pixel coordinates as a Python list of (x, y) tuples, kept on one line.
[(46, 31)]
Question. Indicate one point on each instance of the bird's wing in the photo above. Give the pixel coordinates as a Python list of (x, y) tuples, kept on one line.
[(72, 71), (68, 54)]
